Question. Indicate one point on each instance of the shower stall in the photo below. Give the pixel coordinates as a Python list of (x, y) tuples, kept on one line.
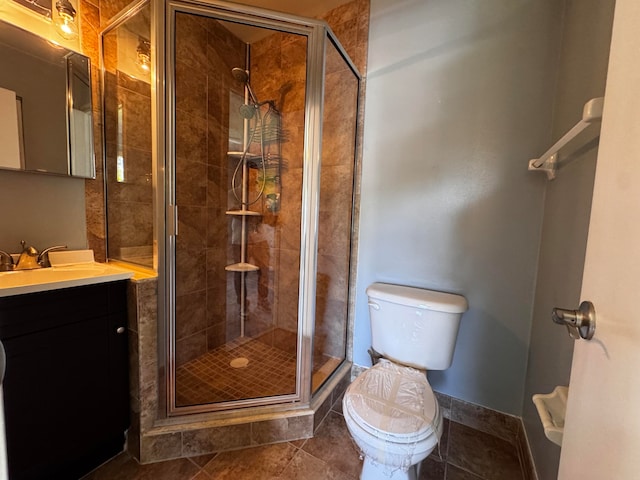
[(230, 164)]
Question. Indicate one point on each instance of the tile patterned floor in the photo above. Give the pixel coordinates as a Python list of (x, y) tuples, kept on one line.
[(270, 371), (210, 378), (465, 454)]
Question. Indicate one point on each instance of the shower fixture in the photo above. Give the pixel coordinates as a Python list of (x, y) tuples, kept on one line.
[(258, 128), (248, 110), (242, 75), (259, 133)]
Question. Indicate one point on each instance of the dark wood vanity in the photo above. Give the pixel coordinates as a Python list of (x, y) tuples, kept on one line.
[(66, 392)]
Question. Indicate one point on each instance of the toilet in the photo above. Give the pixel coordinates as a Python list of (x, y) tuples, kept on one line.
[(390, 409)]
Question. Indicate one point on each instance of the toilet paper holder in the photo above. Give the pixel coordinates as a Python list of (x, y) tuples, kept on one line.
[(580, 323)]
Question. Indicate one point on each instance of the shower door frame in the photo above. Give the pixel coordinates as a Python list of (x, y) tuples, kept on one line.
[(163, 18)]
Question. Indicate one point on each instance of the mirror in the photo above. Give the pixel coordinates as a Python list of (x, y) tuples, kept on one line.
[(45, 106)]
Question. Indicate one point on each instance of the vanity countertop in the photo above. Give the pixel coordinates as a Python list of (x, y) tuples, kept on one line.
[(20, 282)]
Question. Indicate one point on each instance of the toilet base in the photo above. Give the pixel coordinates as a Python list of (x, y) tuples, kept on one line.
[(376, 471)]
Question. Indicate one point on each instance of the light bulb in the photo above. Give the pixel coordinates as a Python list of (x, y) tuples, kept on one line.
[(66, 20), (143, 55)]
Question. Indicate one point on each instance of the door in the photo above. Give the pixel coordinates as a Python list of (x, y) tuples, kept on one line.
[(602, 429)]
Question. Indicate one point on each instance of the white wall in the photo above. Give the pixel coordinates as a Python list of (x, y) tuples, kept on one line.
[(459, 98)]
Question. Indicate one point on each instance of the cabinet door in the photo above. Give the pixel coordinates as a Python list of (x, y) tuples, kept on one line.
[(66, 387), (55, 389)]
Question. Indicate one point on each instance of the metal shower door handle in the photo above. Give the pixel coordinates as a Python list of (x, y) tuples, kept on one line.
[(580, 323)]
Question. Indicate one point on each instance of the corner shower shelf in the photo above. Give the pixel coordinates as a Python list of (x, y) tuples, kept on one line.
[(244, 213), (548, 162), (241, 267), (253, 160), (249, 156)]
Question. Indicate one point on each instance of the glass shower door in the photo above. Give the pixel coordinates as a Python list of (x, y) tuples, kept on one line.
[(339, 123), (239, 132)]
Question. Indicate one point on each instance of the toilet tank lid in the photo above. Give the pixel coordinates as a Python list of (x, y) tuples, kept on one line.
[(418, 297)]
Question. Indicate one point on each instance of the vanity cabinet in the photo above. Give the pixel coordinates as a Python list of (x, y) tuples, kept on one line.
[(66, 389)]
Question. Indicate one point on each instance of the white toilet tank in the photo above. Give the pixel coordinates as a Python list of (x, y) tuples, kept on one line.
[(414, 326)]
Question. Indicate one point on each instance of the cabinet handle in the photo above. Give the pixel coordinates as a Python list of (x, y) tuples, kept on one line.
[(120, 330)]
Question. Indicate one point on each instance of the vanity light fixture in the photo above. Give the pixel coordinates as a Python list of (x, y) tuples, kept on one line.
[(143, 55), (66, 20)]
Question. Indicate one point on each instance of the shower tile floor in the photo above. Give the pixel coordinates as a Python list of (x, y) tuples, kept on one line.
[(211, 378), (464, 454)]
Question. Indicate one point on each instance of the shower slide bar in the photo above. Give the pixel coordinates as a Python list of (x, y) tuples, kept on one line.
[(548, 162)]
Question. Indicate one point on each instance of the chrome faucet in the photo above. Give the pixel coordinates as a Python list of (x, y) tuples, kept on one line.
[(43, 258), (30, 258), (6, 262)]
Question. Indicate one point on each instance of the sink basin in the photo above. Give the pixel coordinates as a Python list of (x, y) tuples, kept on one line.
[(29, 281)]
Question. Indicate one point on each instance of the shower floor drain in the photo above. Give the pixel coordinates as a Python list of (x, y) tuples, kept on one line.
[(239, 362)]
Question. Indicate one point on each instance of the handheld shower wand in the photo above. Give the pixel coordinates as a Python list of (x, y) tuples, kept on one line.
[(248, 111), (241, 75)]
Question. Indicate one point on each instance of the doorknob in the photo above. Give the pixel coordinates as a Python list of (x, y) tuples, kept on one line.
[(580, 323)]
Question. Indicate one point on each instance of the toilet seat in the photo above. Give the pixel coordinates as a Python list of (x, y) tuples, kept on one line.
[(393, 403)]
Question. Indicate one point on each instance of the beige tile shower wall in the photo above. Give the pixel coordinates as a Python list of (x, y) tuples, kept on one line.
[(205, 54), (142, 302), (95, 15), (278, 72), (129, 205), (191, 187), (350, 23), (224, 52), (336, 194), (127, 120)]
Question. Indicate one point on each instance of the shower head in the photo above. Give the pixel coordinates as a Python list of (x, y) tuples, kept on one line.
[(242, 75), (247, 111)]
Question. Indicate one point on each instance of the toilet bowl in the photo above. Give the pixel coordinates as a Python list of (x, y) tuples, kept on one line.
[(393, 417), (390, 410)]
